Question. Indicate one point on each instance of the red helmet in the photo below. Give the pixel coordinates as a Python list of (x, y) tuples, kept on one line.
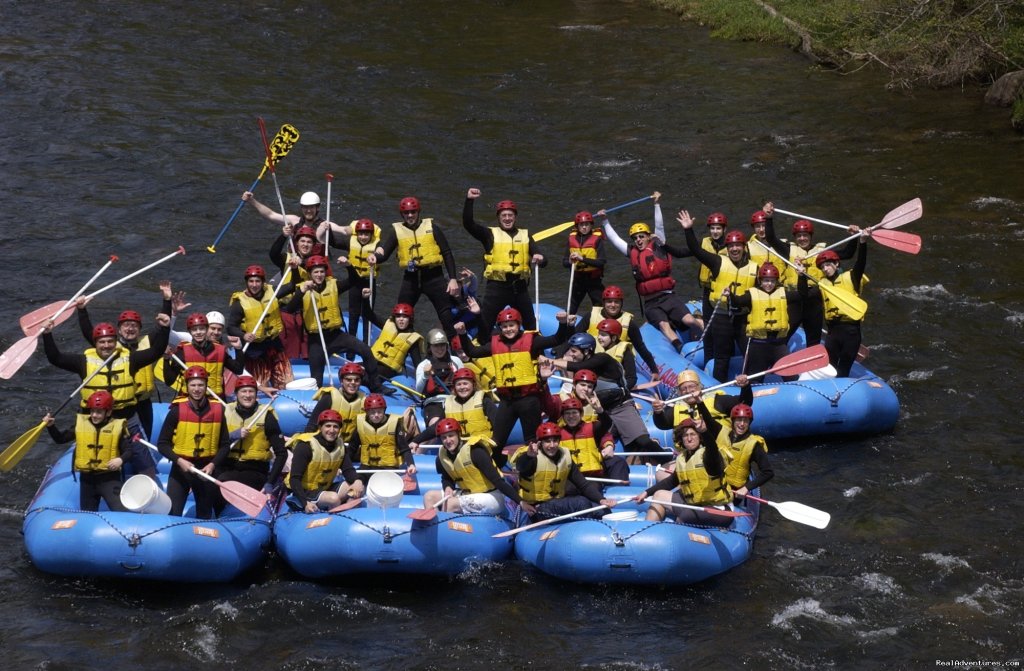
[(767, 269), (803, 226), (329, 415), (510, 315), (306, 232), (196, 319), (735, 236), (103, 330), (402, 310), (505, 205), (375, 401), (584, 375), (548, 430), (464, 374), (447, 425), (364, 226), (197, 373), (584, 217), (100, 400), (409, 204), (742, 410), (825, 257), (571, 403), (246, 381), (612, 292), (352, 368), (758, 217), (129, 316), (255, 271), (717, 219), (317, 261), (610, 326)]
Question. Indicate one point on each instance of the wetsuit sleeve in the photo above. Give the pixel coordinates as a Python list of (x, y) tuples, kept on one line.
[(387, 244), (481, 457), (526, 465), (171, 369), (671, 482), (60, 437), (476, 351), (295, 303), (277, 253), (765, 472), (234, 319), (74, 363), (585, 487), (635, 337), (402, 444), (740, 301), (857, 274), (235, 365), (534, 248), (446, 251), (774, 242), (85, 324), (629, 369), (676, 250), (347, 470), (223, 444), (713, 427), (714, 464), (302, 454), (165, 442), (141, 358), (478, 231)]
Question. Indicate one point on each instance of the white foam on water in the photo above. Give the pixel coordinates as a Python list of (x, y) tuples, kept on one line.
[(986, 201), (913, 482), (992, 600), (206, 642), (796, 554), (810, 608), (948, 563), (612, 163), (226, 609), (877, 634), (1015, 318), (588, 27), (920, 292), (852, 492), (877, 582)]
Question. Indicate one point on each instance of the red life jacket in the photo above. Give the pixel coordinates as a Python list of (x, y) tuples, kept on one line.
[(652, 270), (589, 243)]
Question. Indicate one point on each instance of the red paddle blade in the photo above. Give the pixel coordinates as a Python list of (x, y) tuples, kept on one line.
[(725, 513), (904, 214), (803, 361), (409, 483), (16, 355), (909, 243), (243, 497), (424, 514), (33, 322), (351, 503)]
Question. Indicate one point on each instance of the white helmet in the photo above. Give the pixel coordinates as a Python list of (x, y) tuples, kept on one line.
[(309, 198), (215, 317)]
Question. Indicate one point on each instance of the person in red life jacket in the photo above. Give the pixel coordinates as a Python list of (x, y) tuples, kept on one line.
[(380, 439), (700, 476), (256, 441), (398, 341), (347, 400), (844, 335), (317, 459), (611, 308), (102, 446), (690, 388), (194, 436), (202, 352), (469, 477), (471, 407), (731, 275), (740, 449), (584, 250), (510, 256), (514, 353), (426, 260), (264, 357), (318, 301), (354, 251), (435, 375), (768, 307), (546, 469), (591, 445)]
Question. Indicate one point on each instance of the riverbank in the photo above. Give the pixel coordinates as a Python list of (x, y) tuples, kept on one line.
[(933, 43)]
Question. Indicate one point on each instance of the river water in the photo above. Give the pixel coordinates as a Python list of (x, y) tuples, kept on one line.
[(129, 128)]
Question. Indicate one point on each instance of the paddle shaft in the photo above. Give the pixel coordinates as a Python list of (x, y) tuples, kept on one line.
[(320, 332), (855, 303), (184, 367), (266, 309), (327, 239), (555, 230)]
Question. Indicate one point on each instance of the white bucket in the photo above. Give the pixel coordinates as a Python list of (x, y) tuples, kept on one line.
[(141, 494), (384, 490), (302, 383), (623, 516)]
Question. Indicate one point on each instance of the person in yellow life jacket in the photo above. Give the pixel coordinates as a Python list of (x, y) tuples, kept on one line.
[(471, 407), (318, 300), (398, 341), (740, 449), (203, 352), (426, 260), (590, 444), (102, 446), (510, 256), (844, 335), (194, 436), (263, 355), (609, 340), (257, 453), (346, 399), (584, 251), (768, 305), (435, 375), (380, 439), (611, 308), (690, 388), (353, 250), (316, 461), (545, 470), (514, 353), (699, 475), (469, 477), (731, 275)]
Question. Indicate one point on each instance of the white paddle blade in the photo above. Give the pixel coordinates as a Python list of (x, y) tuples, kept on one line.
[(804, 514)]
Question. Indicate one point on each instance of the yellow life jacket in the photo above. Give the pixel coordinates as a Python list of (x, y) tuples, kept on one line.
[(114, 377), (96, 445), (252, 309), (789, 276), (197, 436), (683, 411), (377, 444), (597, 316), (588, 414), (768, 313), (737, 456), (357, 253), (704, 273), (348, 410), (256, 445), (460, 466), (588, 250), (836, 310), (469, 414), (484, 369), (327, 302), (145, 377), (323, 465), (738, 279), (509, 257), (392, 346), (759, 254), (582, 445), (549, 480), (417, 245), (695, 485), (617, 351)]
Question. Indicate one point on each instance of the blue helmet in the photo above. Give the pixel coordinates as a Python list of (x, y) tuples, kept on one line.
[(583, 341)]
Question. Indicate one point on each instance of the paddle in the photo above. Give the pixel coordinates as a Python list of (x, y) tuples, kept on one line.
[(708, 509), (255, 418), (856, 306), (802, 361), (282, 144), (273, 173), (348, 505), (184, 366), (572, 278), (536, 294), (327, 240), (33, 322), (320, 332), (263, 315), (555, 230), (427, 514), (10, 457), (798, 512), (900, 216)]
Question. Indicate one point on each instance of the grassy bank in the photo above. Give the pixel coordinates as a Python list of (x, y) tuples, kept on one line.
[(935, 43)]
